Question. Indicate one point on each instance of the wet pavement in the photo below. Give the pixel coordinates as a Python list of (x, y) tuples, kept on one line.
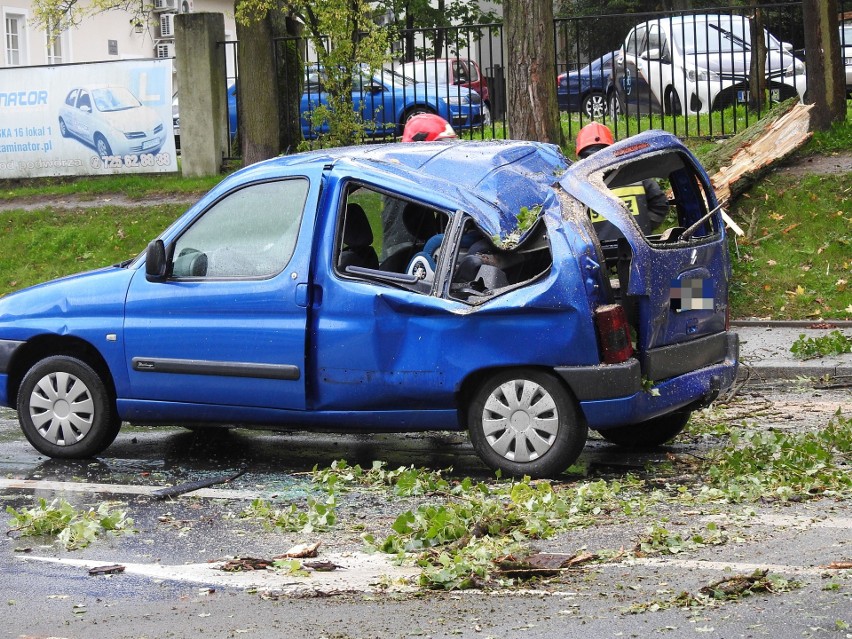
[(171, 585)]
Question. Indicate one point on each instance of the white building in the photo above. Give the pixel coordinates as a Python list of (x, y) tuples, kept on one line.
[(106, 36)]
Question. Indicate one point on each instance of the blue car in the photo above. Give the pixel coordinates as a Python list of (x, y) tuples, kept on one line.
[(398, 287), (385, 101), (585, 90)]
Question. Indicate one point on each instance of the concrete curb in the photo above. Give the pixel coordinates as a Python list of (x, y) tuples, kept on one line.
[(765, 350)]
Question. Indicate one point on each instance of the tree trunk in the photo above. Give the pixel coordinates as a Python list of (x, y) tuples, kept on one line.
[(825, 72), (757, 68), (531, 94), (257, 95)]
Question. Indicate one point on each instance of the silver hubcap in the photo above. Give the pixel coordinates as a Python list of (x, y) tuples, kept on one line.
[(520, 420), (62, 409), (596, 106)]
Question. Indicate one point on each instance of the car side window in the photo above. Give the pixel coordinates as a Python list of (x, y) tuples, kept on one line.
[(635, 41), (72, 97), (249, 233), (389, 236), (84, 101)]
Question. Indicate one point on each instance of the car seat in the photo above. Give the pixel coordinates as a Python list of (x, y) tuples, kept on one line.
[(420, 224), (357, 240)]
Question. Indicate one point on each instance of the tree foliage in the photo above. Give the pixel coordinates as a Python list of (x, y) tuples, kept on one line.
[(346, 40), (55, 16)]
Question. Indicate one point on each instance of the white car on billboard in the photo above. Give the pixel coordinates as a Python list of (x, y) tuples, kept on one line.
[(112, 120)]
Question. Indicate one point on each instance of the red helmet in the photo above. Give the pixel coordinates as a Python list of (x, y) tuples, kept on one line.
[(593, 134), (425, 127)]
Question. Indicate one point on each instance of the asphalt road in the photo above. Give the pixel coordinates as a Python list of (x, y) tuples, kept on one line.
[(171, 587)]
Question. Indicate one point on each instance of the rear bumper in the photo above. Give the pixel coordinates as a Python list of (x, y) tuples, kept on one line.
[(614, 396)]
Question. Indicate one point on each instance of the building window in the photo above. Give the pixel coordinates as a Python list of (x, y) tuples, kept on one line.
[(15, 39), (55, 44)]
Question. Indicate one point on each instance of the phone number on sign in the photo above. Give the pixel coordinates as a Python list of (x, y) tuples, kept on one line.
[(131, 161)]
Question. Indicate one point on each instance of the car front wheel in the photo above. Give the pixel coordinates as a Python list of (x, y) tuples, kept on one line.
[(524, 422), (65, 409), (649, 434), (614, 106), (102, 146)]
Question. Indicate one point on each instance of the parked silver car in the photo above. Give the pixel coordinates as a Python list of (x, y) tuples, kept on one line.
[(111, 120)]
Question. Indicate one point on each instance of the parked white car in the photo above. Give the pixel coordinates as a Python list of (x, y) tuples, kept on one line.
[(695, 64), (111, 120)]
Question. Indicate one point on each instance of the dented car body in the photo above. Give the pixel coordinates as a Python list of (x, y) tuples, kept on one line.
[(453, 285)]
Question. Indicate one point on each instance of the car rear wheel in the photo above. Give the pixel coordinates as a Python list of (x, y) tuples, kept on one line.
[(524, 422), (594, 105), (65, 409), (649, 434)]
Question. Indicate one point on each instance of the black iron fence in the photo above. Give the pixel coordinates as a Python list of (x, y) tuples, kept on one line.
[(689, 72)]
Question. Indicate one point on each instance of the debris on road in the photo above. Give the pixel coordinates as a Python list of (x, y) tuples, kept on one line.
[(241, 564), (540, 564), (181, 489), (300, 551), (106, 570)]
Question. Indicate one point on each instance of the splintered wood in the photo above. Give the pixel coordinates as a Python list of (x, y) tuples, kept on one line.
[(774, 139)]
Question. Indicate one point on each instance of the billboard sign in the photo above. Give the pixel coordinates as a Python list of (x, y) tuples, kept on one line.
[(87, 119)]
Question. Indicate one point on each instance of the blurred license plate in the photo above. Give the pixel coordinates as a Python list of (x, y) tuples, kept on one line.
[(847, 62), (742, 96)]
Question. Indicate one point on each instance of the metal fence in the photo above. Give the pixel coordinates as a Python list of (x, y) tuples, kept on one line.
[(686, 71)]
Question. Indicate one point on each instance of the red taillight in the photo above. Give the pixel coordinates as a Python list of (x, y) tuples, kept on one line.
[(613, 333)]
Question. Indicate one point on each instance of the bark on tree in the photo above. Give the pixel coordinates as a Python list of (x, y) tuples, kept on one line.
[(825, 72), (757, 67), (257, 95), (531, 93)]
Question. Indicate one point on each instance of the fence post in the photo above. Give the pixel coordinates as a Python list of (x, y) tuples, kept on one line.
[(497, 82), (201, 92)]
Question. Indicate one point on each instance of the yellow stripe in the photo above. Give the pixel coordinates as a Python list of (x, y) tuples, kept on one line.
[(626, 191)]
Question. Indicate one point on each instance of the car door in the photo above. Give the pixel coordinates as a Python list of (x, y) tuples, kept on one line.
[(632, 74), (83, 116), (227, 327)]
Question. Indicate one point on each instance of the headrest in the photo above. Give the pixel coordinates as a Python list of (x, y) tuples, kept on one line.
[(356, 227), (420, 221)]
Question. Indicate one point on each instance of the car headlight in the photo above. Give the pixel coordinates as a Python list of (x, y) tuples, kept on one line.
[(797, 68), (457, 100), (701, 75)]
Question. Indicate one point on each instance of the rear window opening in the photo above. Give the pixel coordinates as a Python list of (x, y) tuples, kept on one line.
[(667, 201)]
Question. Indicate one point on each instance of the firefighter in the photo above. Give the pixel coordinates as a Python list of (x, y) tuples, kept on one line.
[(645, 199)]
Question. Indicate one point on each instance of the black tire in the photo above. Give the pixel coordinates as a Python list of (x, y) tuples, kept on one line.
[(614, 106), (525, 422), (102, 146), (649, 434), (65, 409), (673, 106), (595, 105), (63, 128), (415, 110)]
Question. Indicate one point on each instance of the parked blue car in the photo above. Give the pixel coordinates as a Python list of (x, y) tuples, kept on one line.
[(385, 100), (397, 287), (585, 89)]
